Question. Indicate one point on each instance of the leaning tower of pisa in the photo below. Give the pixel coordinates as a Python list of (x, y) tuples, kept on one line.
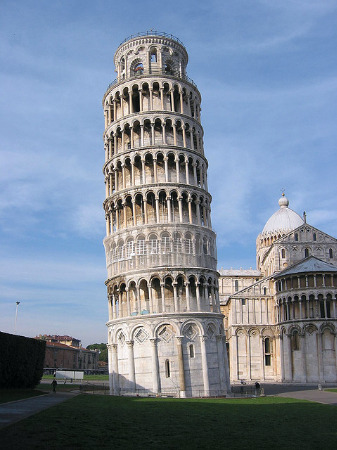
[(165, 329)]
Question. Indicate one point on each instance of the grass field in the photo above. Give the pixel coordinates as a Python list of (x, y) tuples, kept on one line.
[(331, 390), (11, 395), (91, 422), (86, 377)]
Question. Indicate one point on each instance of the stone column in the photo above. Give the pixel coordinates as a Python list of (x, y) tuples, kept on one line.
[(198, 296), (182, 388), (107, 224), (192, 140), (124, 213), (110, 368), (162, 286), (187, 287), (115, 374), (204, 365), (303, 356), (198, 143), (181, 103), (122, 106), (172, 100), (128, 301), (151, 99), (123, 140), (175, 296), (166, 168), (162, 98), (143, 170), (174, 134), (320, 357), (194, 165), (177, 169), (155, 368), (115, 109), (141, 135), (133, 172), (157, 208), (145, 211), (152, 134), (169, 215), (114, 315), (155, 170), (134, 211), (131, 362), (221, 363), (116, 177), (131, 137), (164, 132), (184, 136), (189, 202), (186, 171), (110, 307), (288, 372), (180, 206), (140, 100), (138, 300), (123, 175), (249, 376), (197, 203), (150, 298)]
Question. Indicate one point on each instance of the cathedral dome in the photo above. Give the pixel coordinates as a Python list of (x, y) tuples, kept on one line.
[(284, 220)]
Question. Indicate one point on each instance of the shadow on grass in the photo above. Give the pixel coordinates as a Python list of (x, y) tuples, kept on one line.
[(12, 395), (119, 422)]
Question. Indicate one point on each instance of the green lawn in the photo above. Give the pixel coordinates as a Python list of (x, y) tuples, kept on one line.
[(86, 377), (331, 390), (11, 395), (93, 421)]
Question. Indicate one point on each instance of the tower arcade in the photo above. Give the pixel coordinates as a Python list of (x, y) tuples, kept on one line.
[(165, 327)]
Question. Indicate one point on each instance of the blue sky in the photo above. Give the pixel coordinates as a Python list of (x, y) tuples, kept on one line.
[(267, 72)]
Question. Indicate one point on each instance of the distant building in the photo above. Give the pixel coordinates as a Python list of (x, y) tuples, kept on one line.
[(65, 352), (66, 340)]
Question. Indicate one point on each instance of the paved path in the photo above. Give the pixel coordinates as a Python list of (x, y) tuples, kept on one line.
[(328, 398), (14, 411)]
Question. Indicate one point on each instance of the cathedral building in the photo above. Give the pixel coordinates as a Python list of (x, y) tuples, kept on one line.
[(281, 319), (165, 328)]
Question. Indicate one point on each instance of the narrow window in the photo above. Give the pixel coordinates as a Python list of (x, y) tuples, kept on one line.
[(314, 237), (322, 309), (267, 352), (167, 369), (306, 253), (243, 301), (236, 285), (264, 291), (330, 253), (296, 237), (283, 253), (191, 351)]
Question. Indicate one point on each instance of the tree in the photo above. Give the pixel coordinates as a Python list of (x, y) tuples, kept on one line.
[(103, 351)]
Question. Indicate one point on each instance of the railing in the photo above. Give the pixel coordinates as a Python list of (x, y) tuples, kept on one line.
[(123, 264), (152, 33), (151, 72)]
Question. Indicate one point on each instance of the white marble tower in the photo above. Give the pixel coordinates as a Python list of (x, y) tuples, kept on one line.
[(166, 331)]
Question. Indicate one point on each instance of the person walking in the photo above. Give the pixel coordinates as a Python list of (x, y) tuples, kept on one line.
[(54, 384)]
